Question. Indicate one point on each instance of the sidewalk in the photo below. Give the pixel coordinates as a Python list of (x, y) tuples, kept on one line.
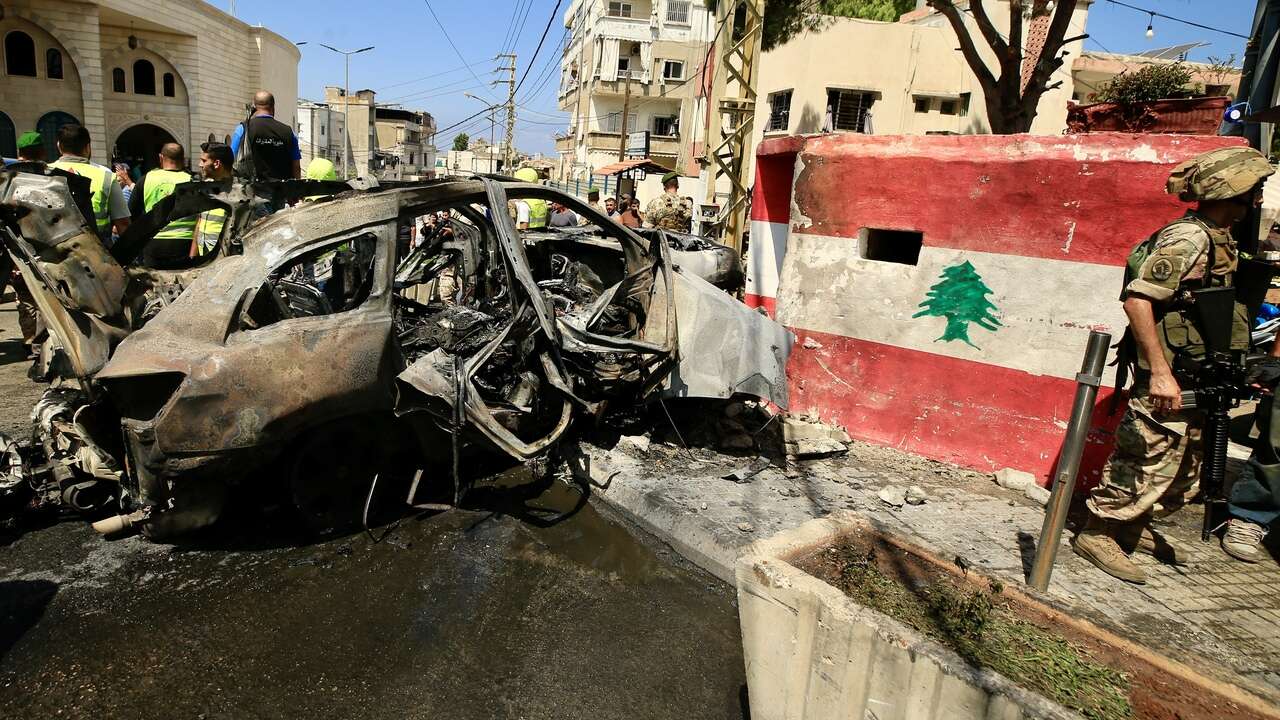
[(1214, 610)]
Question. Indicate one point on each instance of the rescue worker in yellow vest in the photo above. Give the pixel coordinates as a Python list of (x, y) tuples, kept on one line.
[(110, 213), (216, 160), (539, 211), (1155, 467), (171, 246), (320, 169)]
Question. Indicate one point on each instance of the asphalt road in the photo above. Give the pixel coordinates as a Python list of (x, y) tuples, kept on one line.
[(529, 604)]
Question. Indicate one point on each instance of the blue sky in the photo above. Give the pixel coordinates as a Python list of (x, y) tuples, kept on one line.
[(413, 64)]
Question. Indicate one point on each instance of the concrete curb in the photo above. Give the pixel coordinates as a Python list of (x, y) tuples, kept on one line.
[(700, 540)]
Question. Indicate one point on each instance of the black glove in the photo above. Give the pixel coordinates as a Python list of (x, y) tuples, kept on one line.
[(1264, 373)]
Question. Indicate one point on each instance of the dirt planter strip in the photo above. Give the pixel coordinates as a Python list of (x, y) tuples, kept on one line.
[(813, 652)]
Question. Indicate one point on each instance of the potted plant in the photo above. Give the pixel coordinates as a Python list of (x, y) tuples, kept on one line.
[(1151, 99)]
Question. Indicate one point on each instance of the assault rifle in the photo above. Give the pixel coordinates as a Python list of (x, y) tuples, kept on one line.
[(1220, 386)]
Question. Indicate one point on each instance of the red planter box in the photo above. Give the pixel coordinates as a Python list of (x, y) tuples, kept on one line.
[(1193, 116)]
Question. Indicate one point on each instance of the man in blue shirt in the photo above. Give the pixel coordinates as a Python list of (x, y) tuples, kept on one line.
[(272, 145)]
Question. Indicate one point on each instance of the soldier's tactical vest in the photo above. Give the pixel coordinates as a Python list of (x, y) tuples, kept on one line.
[(1177, 329)]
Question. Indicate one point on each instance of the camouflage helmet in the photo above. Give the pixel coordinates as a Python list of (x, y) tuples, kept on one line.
[(1219, 174)]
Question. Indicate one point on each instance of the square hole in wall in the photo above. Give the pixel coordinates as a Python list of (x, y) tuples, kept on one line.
[(895, 246)]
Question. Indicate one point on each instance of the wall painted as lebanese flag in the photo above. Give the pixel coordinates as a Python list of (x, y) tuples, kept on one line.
[(970, 354)]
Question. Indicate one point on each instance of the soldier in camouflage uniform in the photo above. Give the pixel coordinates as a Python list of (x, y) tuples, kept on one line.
[(669, 211), (1156, 463)]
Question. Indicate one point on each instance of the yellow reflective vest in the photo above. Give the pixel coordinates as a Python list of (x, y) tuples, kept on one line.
[(100, 185), (158, 185), (539, 212), (208, 231)]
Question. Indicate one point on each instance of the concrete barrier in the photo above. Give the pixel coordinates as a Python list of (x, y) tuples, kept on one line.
[(942, 288)]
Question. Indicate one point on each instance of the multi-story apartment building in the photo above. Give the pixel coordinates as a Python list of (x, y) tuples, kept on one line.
[(321, 132), (362, 135), (658, 48), (406, 144)]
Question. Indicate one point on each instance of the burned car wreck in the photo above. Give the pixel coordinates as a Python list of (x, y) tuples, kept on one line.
[(313, 327)]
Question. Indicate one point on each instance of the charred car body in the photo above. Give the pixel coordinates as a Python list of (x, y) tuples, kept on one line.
[(174, 384)]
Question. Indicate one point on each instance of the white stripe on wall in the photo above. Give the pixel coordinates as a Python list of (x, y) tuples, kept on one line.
[(1045, 307), (764, 257)]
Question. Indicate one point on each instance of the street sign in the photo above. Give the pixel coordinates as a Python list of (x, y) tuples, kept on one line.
[(638, 144)]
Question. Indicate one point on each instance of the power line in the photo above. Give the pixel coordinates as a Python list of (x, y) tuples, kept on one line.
[(552, 64), (506, 38), (1155, 13), (511, 45), (433, 76), (445, 87), (449, 38), (555, 11), (467, 118)]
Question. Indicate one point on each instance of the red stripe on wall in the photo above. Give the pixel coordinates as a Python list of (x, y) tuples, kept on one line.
[(968, 413), (1013, 195), (771, 196), (769, 304)]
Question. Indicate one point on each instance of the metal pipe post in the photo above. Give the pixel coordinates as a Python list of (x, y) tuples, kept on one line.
[(1064, 478)]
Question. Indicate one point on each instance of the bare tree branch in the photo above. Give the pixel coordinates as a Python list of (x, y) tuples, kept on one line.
[(985, 26), (985, 78)]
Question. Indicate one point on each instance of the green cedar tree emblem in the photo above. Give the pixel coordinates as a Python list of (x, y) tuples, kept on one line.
[(960, 297)]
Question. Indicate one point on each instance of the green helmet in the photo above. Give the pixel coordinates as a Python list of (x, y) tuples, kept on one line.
[(1219, 174), (527, 174)]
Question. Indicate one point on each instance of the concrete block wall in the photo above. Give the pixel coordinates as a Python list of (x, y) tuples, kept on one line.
[(969, 354)]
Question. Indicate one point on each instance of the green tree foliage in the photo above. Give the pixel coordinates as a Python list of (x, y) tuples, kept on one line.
[(1155, 81), (461, 141), (961, 298), (784, 19)]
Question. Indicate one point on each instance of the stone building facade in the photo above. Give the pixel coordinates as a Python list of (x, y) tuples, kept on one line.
[(136, 73)]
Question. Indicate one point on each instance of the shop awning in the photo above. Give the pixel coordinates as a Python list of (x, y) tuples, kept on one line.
[(644, 164)]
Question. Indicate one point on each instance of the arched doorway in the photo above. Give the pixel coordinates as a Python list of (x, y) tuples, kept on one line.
[(48, 126), (8, 138), (140, 144)]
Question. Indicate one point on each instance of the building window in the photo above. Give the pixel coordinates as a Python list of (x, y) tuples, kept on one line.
[(678, 11), (8, 137), (411, 158), (48, 126), (624, 65), (53, 64), (848, 110), (667, 126), (948, 107), (169, 85), (922, 104), (619, 9), (321, 131), (894, 246), (673, 69), (779, 111), (144, 77), (612, 123), (117, 80), (19, 54)]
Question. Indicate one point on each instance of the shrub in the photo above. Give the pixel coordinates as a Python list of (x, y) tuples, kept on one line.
[(1150, 82)]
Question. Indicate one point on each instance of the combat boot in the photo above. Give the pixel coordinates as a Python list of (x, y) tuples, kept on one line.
[(1097, 543), (1141, 537)]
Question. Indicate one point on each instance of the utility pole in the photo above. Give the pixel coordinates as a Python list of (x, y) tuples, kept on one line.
[(346, 106), (733, 103), (508, 154), (626, 106)]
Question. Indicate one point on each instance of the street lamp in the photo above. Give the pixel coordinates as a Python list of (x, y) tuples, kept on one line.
[(346, 105), (491, 124)]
